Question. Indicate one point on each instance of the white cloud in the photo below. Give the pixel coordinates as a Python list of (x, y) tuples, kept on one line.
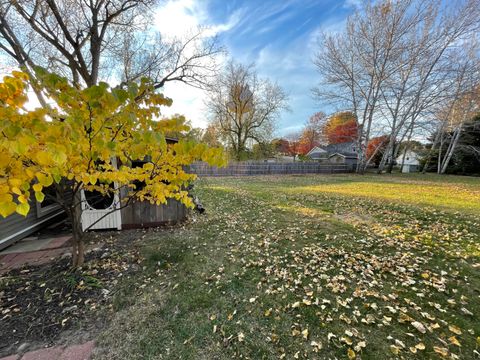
[(178, 19), (187, 101)]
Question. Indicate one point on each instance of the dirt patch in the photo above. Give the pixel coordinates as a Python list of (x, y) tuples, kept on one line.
[(50, 304)]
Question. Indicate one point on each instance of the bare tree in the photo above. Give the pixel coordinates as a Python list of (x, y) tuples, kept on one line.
[(427, 67), (390, 66), (459, 106), (86, 40), (244, 107), (312, 132), (294, 145), (458, 114)]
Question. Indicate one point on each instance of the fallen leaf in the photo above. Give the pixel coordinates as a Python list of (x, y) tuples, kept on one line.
[(351, 354), (420, 346), (330, 336), (454, 341), (419, 326), (317, 345), (440, 350), (455, 329), (394, 349)]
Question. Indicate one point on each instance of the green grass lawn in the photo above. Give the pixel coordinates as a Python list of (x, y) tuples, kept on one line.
[(317, 267)]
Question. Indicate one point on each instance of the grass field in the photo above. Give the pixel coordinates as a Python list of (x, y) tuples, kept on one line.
[(318, 267)]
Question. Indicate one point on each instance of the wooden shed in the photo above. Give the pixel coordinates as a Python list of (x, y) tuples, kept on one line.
[(140, 214), (99, 213)]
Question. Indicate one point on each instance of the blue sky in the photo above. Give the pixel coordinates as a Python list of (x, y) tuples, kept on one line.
[(279, 36)]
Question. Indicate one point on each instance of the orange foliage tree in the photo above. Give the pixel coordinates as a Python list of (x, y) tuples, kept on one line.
[(341, 127), (375, 149)]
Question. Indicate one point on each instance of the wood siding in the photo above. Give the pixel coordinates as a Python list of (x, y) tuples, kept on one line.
[(16, 227), (143, 214)]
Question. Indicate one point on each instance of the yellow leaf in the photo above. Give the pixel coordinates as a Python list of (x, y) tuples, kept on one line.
[(22, 199), (305, 334), (39, 196), (43, 158), (420, 346), (15, 182), (92, 179), (394, 349), (45, 180), (295, 332), (455, 329), (37, 187), (23, 209), (440, 350), (454, 341), (16, 190), (351, 354), (7, 208)]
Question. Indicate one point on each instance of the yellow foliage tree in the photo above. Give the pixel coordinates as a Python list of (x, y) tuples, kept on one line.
[(87, 139)]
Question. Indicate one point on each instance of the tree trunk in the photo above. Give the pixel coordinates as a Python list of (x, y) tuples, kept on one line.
[(439, 162), (451, 149), (78, 246), (392, 157), (78, 249)]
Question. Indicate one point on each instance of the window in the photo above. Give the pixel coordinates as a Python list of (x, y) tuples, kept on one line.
[(48, 204), (99, 201)]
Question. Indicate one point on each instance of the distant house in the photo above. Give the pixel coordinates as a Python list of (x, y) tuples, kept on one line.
[(344, 159), (411, 162), (341, 153), (318, 154)]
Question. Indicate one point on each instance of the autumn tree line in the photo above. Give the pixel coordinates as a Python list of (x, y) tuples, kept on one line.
[(403, 71), (408, 70)]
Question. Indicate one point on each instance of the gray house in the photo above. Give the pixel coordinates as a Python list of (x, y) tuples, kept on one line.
[(318, 153), (342, 153)]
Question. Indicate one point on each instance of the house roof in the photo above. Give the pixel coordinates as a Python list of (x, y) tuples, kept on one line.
[(345, 155), (343, 148), (316, 149)]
